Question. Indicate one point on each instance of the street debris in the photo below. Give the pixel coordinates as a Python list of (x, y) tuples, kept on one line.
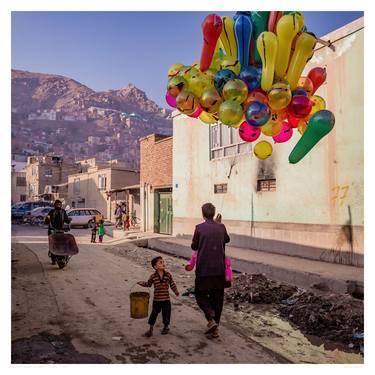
[(258, 288), (331, 317)]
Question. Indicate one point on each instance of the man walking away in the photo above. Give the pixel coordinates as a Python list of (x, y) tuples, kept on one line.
[(209, 240)]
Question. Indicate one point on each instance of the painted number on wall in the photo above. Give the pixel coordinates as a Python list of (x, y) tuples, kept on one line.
[(339, 194)]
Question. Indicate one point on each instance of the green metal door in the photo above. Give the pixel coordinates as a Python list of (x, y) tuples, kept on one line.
[(166, 213)]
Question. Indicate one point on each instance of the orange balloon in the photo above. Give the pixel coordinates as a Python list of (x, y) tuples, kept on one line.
[(256, 94), (306, 84)]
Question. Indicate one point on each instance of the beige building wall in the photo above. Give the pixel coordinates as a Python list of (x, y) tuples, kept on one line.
[(18, 189), (317, 208), (89, 187)]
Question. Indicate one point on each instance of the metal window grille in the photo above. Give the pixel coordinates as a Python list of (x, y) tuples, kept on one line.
[(220, 188), (267, 185)]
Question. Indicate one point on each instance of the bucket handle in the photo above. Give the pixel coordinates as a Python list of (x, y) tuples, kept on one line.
[(135, 285)]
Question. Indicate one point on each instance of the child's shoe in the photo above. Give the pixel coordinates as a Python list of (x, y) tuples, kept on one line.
[(149, 333)]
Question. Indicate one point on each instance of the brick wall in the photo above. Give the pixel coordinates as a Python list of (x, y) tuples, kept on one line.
[(156, 160)]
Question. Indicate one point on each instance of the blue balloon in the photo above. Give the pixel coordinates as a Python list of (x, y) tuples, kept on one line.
[(243, 32), (252, 76), (299, 92), (258, 113), (222, 77)]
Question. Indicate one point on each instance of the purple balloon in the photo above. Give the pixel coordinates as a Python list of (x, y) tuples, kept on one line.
[(249, 133), (171, 100), (285, 134), (258, 113), (196, 113)]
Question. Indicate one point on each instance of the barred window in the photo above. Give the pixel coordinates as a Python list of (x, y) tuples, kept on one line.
[(77, 186), (21, 181), (102, 181), (220, 188), (266, 185), (225, 141)]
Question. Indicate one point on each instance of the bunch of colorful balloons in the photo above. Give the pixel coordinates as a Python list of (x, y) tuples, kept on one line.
[(249, 77)]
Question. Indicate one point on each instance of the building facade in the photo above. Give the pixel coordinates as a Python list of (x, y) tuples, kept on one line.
[(156, 183), (314, 208), (43, 171), (92, 187), (18, 177)]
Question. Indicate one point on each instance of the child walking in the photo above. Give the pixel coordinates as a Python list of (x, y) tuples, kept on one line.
[(126, 220), (94, 229), (162, 280), (101, 230)]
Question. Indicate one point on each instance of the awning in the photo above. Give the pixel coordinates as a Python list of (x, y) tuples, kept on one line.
[(119, 190)]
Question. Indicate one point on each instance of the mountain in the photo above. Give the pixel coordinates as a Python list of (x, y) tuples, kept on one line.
[(38, 91)]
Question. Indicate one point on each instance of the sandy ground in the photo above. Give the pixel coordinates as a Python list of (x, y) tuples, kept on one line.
[(88, 301)]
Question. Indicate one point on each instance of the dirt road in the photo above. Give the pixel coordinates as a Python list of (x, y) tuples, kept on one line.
[(88, 302)]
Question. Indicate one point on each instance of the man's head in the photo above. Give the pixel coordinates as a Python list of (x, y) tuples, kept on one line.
[(58, 204), (208, 211), (158, 263)]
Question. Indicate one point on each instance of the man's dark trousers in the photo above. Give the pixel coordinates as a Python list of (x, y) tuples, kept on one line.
[(211, 303)]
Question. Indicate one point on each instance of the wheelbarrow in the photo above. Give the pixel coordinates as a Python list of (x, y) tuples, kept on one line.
[(62, 246)]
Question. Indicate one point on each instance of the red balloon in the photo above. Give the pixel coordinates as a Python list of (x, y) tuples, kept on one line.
[(249, 133), (295, 122), (318, 77), (300, 106), (211, 28), (273, 20)]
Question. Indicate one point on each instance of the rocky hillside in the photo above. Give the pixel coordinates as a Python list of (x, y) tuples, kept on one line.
[(33, 91)]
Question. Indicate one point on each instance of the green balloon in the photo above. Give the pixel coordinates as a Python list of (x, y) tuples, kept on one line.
[(230, 112), (320, 124), (260, 24)]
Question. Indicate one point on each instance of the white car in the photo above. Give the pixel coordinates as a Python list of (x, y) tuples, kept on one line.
[(84, 216)]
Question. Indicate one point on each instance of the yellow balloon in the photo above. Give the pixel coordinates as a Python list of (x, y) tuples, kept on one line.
[(208, 118), (305, 45), (216, 59), (286, 29), (279, 96), (229, 62), (263, 150), (227, 37), (273, 126), (236, 126), (197, 83), (302, 126), (318, 104), (267, 48), (174, 70)]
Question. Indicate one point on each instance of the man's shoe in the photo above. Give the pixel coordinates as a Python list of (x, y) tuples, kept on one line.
[(212, 325), (165, 331), (215, 333), (53, 263)]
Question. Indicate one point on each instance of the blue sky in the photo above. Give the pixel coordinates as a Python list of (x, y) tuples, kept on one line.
[(109, 50)]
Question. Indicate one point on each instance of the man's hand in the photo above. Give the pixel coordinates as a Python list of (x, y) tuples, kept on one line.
[(178, 294), (188, 267)]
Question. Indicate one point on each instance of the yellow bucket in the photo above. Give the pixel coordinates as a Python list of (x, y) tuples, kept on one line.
[(139, 304)]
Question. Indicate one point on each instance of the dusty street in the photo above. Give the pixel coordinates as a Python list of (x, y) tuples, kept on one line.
[(89, 302), (81, 314)]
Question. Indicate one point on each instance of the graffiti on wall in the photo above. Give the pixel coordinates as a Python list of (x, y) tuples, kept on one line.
[(340, 194)]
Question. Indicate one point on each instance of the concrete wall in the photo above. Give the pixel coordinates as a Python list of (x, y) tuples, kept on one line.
[(17, 190), (318, 203)]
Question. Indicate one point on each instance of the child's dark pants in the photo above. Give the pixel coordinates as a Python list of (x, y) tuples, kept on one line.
[(165, 308), (93, 236)]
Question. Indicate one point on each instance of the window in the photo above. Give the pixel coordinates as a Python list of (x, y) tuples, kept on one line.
[(48, 173), (76, 186), (266, 185), (102, 182), (34, 170), (225, 141), (220, 188), (22, 197), (21, 181)]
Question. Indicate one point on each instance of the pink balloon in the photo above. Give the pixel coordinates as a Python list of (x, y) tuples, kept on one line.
[(285, 134), (196, 113), (249, 133), (171, 100)]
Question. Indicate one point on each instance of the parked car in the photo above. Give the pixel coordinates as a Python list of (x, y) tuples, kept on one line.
[(37, 215), (83, 216), (19, 210)]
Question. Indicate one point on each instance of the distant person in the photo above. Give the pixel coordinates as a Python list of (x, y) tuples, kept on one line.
[(118, 215), (56, 219), (94, 229), (209, 241), (162, 280), (126, 221), (124, 208), (101, 230)]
